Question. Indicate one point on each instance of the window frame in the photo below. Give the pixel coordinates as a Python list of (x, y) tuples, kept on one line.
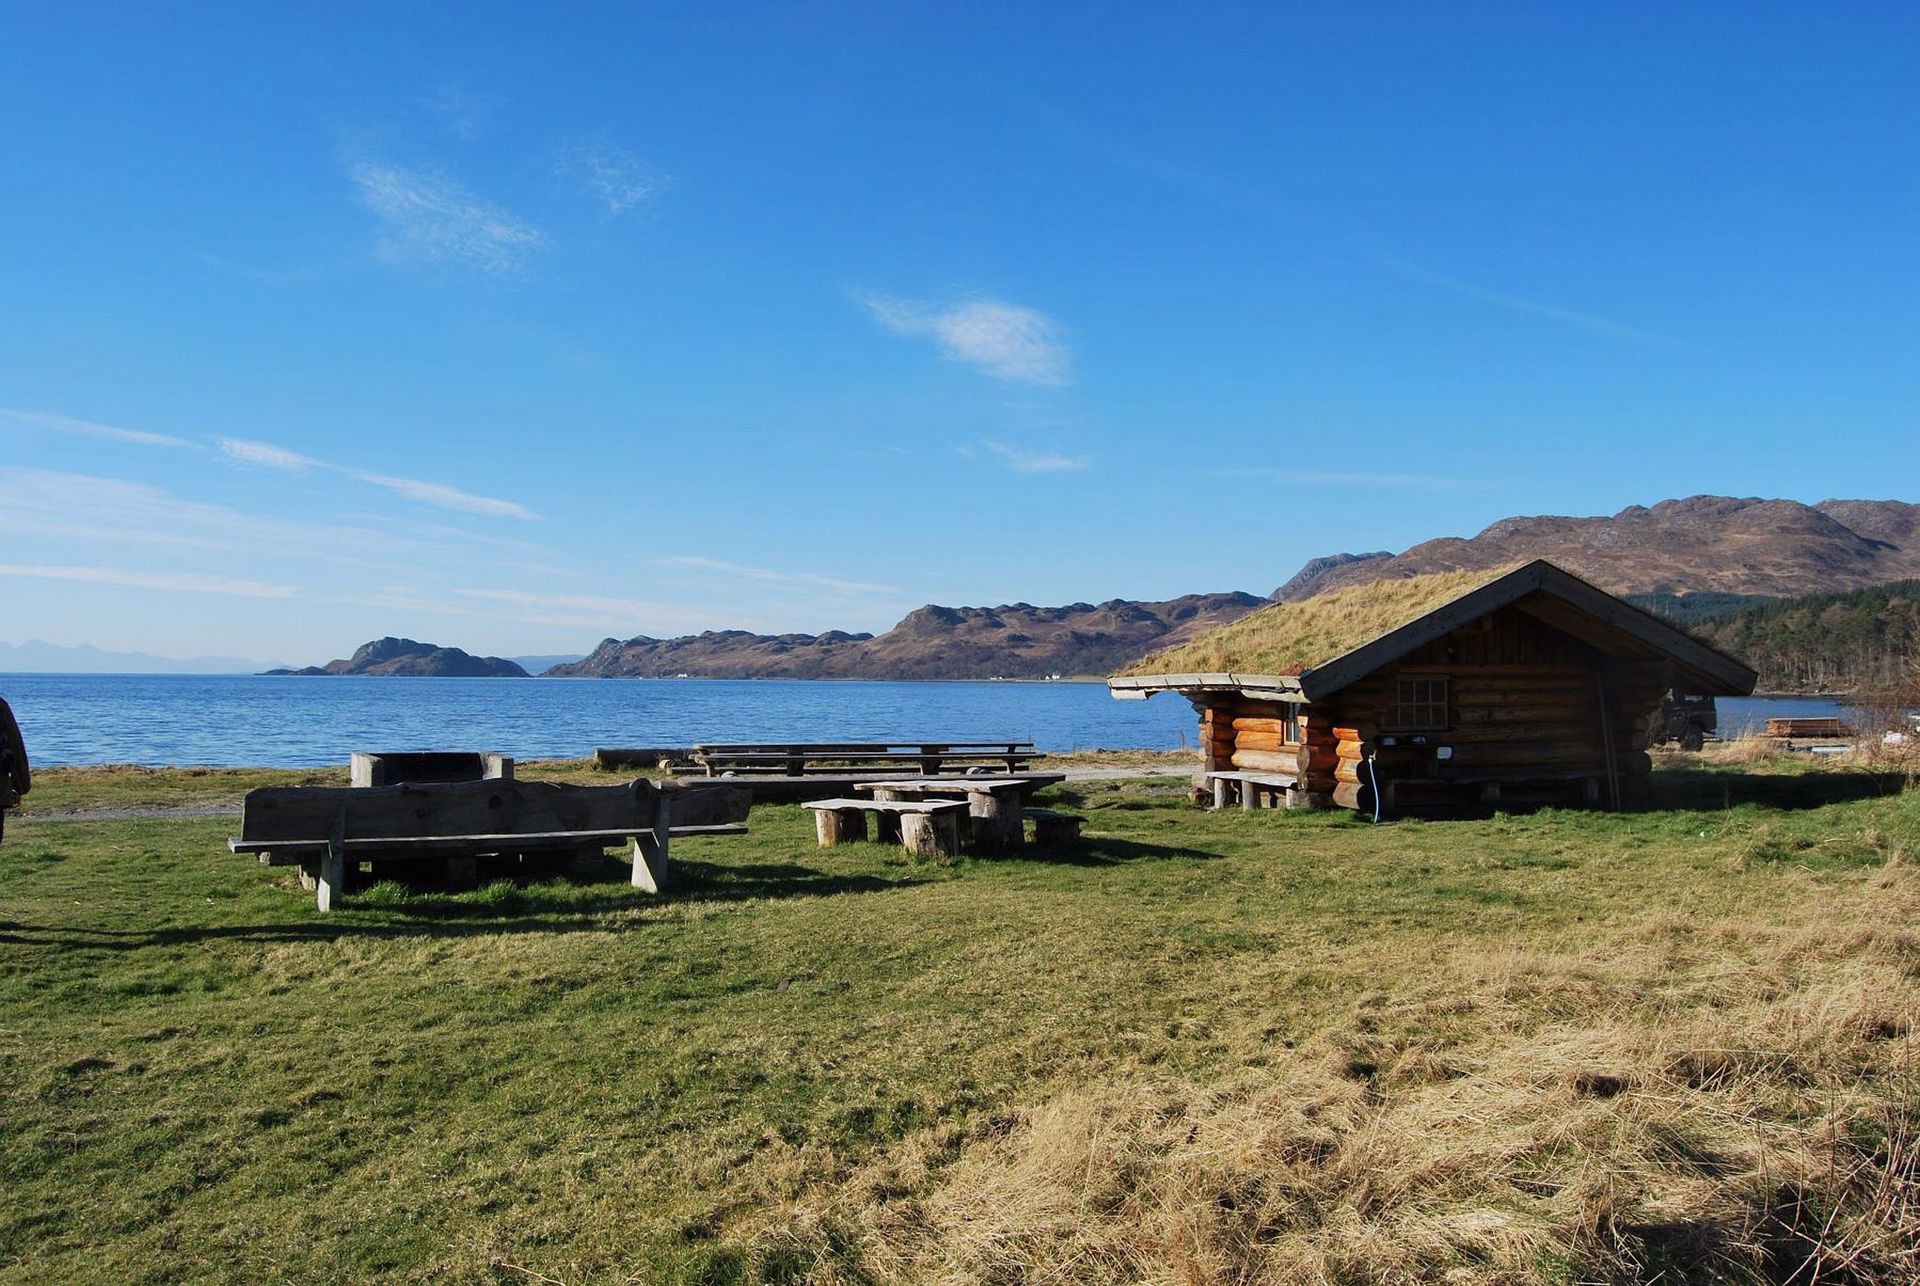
[(1419, 703)]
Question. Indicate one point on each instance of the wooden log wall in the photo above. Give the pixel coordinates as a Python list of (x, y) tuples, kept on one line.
[(1523, 695)]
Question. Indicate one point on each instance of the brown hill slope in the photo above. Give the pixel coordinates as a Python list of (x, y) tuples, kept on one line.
[(1017, 641), (405, 658), (1711, 543)]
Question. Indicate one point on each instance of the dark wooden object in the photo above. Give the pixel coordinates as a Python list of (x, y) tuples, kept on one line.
[(325, 830)]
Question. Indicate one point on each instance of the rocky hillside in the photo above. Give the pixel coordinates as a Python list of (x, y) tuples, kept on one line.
[(404, 657), (1016, 641), (1703, 543)]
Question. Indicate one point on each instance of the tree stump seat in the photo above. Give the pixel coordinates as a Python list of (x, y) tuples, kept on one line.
[(1050, 826), (924, 827)]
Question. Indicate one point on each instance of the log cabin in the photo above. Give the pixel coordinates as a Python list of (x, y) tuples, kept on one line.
[(1524, 685)]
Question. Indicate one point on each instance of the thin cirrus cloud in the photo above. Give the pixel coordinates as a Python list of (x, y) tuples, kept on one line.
[(1007, 341), (1021, 460), (173, 582), (811, 579), (88, 429), (437, 494), (614, 177), (431, 218)]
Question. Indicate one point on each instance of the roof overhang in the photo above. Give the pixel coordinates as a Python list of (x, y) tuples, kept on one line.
[(1257, 687)]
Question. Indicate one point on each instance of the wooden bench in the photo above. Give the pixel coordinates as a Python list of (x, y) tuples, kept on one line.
[(924, 827), (799, 759), (327, 831), (1050, 826), (1250, 785)]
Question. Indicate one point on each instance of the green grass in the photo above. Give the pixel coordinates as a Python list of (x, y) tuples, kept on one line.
[(203, 1079)]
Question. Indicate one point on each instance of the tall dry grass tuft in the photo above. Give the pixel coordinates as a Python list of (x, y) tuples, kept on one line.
[(1678, 1101)]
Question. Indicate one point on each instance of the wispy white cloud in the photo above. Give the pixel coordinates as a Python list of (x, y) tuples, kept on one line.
[(1024, 461), (1325, 478), (176, 582), (442, 496), (437, 494), (612, 176), (266, 455), (464, 113), (1007, 341), (812, 579), (1514, 302), (429, 217), (88, 429), (621, 616)]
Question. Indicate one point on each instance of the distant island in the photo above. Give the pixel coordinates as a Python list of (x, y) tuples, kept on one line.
[(406, 658)]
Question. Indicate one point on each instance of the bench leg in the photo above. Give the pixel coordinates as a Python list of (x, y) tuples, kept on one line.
[(997, 824), (1249, 798), (839, 825), (330, 881), (930, 835), (650, 863), (1219, 792)]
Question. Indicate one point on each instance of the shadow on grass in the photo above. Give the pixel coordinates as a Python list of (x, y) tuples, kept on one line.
[(554, 905), (1101, 851), (1703, 790)]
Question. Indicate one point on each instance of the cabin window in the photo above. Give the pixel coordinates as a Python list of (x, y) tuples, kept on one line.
[(1419, 705)]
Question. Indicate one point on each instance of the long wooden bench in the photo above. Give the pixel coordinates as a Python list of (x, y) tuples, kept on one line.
[(924, 827), (327, 831), (800, 759)]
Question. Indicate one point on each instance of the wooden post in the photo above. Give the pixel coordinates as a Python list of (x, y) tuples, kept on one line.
[(1247, 795), (931, 835), (839, 825), (330, 886), (650, 868), (1219, 792), (996, 819)]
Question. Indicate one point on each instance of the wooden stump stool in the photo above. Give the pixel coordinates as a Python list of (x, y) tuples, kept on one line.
[(839, 825), (930, 835)]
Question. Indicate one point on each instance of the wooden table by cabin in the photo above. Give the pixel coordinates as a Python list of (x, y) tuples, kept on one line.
[(994, 803)]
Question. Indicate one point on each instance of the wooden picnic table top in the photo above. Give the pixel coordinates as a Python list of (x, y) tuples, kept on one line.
[(964, 785), (888, 805), (812, 747)]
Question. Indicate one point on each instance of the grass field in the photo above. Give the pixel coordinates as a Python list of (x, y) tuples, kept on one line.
[(1669, 1046)]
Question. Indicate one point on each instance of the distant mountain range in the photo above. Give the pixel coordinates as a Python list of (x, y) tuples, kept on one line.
[(36, 656), (404, 658), (1694, 560), (1720, 544), (1015, 641)]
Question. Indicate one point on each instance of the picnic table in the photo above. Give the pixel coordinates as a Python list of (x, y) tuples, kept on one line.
[(804, 758), (994, 803), (1250, 786)]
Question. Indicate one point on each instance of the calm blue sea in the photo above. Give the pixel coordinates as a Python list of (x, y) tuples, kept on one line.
[(309, 722), (298, 723)]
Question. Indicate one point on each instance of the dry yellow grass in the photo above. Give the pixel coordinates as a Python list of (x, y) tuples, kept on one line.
[(1695, 1101), (1288, 637)]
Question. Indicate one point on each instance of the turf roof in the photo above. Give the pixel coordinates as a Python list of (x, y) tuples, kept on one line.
[(1289, 638)]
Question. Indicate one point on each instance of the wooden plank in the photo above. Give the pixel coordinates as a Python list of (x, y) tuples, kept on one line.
[(891, 805), (479, 808)]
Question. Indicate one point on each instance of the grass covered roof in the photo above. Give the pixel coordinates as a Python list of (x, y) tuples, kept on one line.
[(1289, 638)]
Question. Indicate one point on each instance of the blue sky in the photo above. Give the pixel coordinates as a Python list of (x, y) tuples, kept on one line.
[(515, 327)]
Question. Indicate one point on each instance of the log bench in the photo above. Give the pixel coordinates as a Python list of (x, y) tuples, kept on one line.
[(328, 831), (924, 827), (1250, 785), (1050, 826)]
